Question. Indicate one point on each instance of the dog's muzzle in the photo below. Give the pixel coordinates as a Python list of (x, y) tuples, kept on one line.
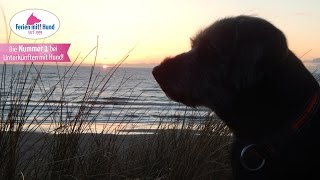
[(251, 159)]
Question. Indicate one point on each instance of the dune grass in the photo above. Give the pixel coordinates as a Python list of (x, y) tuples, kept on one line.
[(71, 148)]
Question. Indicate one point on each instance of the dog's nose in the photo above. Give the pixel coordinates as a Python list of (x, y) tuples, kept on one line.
[(156, 71), (158, 74)]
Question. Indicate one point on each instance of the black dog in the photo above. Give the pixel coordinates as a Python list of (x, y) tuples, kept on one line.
[(242, 69)]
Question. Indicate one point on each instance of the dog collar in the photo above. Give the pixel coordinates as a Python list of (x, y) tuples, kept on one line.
[(294, 128), (310, 110)]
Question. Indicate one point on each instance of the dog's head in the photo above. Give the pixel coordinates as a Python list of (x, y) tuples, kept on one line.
[(228, 56)]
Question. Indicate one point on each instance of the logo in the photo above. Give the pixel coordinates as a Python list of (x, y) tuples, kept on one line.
[(32, 20), (34, 24)]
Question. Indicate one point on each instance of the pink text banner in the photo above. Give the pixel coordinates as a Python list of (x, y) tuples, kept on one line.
[(34, 52)]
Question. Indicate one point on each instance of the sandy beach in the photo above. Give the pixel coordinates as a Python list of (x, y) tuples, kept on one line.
[(164, 154)]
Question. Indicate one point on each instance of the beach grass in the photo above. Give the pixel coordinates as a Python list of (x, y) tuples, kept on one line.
[(37, 142)]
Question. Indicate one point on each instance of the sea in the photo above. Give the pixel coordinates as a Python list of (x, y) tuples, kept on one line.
[(61, 94), (57, 94)]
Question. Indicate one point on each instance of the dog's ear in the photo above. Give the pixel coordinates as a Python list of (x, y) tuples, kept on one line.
[(259, 47)]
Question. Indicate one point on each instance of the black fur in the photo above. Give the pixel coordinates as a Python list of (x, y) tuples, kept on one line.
[(242, 69)]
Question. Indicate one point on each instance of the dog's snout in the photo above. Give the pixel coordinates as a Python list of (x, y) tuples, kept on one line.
[(155, 71)]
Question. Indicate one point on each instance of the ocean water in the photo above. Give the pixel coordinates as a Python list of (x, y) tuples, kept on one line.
[(63, 92), (128, 95)]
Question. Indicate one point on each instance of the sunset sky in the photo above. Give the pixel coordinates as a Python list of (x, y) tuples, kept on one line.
[(162, 28)]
